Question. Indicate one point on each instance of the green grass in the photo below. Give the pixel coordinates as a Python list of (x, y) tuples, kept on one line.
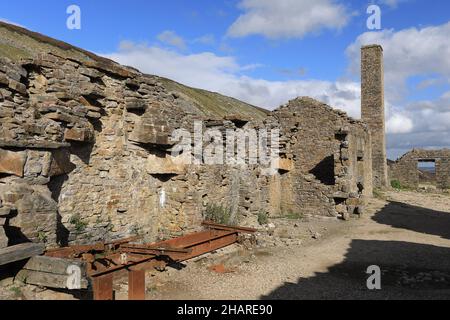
[(396, 184), (78, 223), (16, 291), (42, 237), (294, 215), (212, 103), (220, 214), (17, 43), (263, 218), (291, 215)]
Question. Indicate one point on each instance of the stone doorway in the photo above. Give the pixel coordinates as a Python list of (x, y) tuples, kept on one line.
[(427, 173)]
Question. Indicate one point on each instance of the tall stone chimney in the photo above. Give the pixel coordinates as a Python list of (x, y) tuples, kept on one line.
[(372, 109)]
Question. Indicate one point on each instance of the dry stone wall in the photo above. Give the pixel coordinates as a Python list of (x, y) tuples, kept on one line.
[(331, 159), (405, 169), (85, 156)]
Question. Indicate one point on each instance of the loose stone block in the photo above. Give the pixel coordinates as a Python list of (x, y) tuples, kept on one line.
[(12, 162)]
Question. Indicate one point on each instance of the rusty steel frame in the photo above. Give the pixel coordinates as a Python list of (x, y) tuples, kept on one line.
[(105, 259)]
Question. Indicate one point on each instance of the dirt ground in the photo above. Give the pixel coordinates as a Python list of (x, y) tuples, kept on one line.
[(406, 234)]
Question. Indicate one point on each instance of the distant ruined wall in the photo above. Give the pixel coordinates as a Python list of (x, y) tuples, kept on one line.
[(406, 171), (372, 109)]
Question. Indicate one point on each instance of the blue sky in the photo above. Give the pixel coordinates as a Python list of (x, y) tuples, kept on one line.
[(267, 52)]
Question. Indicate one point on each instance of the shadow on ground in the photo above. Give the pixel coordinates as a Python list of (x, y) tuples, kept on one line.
[(404, 216), (409, 270)]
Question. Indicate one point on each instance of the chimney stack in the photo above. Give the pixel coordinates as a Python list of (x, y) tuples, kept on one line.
[(372, 109)]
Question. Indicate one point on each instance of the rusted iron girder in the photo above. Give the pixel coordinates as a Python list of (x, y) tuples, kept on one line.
[(213, 225), (104, 259), (103, 287), (77, 251)]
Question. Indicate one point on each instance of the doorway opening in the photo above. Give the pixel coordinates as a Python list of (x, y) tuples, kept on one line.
[(427, 173)]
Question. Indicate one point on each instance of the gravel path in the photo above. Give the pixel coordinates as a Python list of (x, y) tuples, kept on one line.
[(408, 236)]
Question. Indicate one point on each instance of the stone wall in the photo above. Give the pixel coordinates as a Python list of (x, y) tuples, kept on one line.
[(406, 171), (331, 159), (372, 109), (85, 156)]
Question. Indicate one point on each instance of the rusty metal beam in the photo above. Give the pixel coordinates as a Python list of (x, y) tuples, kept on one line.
[(103, 287), (76, 251), (101, 270), (193, 239), (136, 285), (105, 259), (150, 250), (211, 245), (217, 226)]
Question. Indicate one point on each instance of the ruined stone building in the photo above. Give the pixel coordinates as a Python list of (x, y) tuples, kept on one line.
[(85, 149), (406, 170)]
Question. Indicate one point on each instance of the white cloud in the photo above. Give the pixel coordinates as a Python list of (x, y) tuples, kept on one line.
[(288, 18), (223, 74), (399, 123), (412, 53), (207, 39), (171, 38), (407, 53), (392, 3), (431, 82), (420, 53)]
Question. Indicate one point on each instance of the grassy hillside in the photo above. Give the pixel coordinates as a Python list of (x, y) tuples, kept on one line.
[(17, 43)]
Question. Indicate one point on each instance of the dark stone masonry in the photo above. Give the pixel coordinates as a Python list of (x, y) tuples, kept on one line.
[(85, 154)]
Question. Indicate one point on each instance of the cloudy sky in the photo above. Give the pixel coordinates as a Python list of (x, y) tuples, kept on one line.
[(266, 52)]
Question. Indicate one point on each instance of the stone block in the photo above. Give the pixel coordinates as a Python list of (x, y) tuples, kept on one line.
[(60, 116), (92, 73), (60, 163), (93, 115), (78, 134), (12, 162), (166, 165), (3, 79), (17, 86), (285, 164), (150, 134), (340, 195)]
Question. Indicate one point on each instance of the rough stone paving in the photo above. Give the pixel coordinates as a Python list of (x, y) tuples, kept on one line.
[(85, 154)]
